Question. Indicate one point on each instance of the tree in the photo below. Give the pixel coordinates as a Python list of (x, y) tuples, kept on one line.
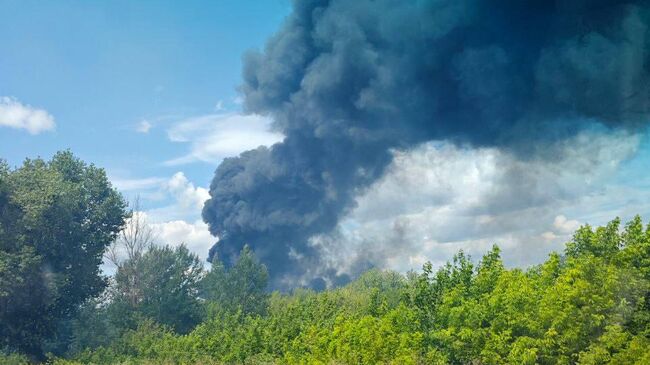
[(57, 218), (242, 287), (167, 289), (604, 242), (132, 242), (91, 327)]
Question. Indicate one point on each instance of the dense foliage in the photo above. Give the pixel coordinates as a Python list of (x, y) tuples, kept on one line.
[(589, 305), (56, 219), (166, 292), (241, 288)]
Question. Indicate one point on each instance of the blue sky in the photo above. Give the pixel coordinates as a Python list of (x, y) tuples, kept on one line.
[(148, 90), (100, 68), (140, 88)]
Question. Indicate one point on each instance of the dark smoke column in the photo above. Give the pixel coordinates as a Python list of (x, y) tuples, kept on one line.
[(348, 81)]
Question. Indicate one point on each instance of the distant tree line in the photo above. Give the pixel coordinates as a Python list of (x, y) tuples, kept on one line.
[(587, 305)]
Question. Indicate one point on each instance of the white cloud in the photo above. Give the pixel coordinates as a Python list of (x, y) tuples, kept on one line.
[(13, 114), (144, 126), (165, 199), (173, 199), (185, 193), (549, 236), (238, 100), (216, 136), (439, 198), (194, 235), (125, 185), (564, 225), (178, 220)]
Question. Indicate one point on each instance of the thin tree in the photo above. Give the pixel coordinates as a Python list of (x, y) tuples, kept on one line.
[(129, 246)]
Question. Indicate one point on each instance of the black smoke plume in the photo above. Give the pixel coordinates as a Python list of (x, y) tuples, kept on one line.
[(347, 82)]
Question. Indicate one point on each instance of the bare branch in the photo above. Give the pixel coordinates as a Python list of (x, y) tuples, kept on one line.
[(133, 240)]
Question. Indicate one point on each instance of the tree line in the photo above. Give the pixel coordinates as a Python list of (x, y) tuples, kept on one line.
[(589, 304)]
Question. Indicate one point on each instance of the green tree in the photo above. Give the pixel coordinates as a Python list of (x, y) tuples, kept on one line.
[(603, 242), (168, 288), (242, 287), (587, 307), (57, 218)]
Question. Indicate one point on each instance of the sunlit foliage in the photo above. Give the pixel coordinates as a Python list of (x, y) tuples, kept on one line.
[(587, 305)]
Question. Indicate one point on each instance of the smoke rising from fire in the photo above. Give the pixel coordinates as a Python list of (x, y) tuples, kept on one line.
[(348, 82)]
